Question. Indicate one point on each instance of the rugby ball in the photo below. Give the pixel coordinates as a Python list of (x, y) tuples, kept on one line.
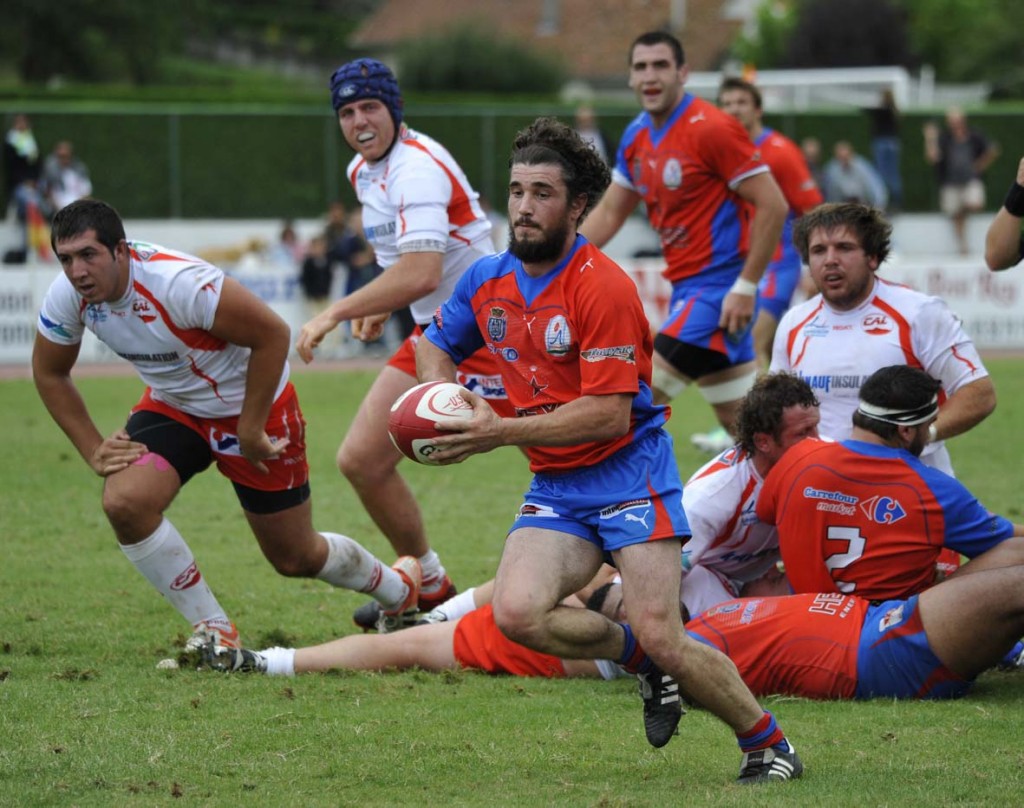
[(413, 415)]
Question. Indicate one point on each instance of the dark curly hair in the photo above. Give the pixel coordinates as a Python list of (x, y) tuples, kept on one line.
[(764, 403), (548, 141), (87, 214), (868, 224)]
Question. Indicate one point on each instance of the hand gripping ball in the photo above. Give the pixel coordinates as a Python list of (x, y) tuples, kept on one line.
[(413, 415)]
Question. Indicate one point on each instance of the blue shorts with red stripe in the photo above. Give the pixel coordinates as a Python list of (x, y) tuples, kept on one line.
[(777, 286), (634, 496), (895, 661), (693, 314)]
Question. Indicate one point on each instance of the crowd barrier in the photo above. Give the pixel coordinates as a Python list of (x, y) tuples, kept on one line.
[(988, 303)]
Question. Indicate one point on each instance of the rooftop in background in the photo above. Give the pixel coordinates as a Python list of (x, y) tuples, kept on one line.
[(589, 34)]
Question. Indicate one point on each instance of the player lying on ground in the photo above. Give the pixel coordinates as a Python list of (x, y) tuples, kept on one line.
[(820, 646)]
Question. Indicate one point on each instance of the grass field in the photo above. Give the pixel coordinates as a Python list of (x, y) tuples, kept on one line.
[(86, 719)]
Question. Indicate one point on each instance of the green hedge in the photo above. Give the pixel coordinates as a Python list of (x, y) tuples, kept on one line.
[(211, 161)]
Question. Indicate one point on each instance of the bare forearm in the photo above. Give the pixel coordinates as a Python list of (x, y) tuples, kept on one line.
[(966, 408), (433, 364), (266, 365), (1002, 241), (65, 405), (590, 418), (765, 232), (415, 275)]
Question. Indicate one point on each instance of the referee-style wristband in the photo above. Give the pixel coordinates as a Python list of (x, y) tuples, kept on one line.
[(743, 287), (1014, 202)]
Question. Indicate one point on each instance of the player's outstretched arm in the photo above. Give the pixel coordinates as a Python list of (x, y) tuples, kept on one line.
[(414, 275), (51, 371)]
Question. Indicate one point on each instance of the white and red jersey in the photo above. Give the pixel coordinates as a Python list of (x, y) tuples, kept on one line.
[(836, 351), (417, 199), (728, 538), (161, 326)]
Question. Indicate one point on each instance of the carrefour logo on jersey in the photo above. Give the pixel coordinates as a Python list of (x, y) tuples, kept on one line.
[(883, 510)]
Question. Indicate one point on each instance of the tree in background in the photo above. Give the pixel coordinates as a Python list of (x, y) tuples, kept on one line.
[(116, 40), (968, 41), (964, 40), (469, 59)]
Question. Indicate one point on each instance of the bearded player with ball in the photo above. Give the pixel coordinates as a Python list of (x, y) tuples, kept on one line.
[(574, 351)]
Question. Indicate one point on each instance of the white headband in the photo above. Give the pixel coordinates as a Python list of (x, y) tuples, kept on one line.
[(900, 417)]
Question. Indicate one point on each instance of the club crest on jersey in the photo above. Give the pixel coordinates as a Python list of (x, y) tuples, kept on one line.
[(143, 251), (891, 618), (557, 339), (97, 314), (883, 510), (497, 324), (876, 323), (672, 174)]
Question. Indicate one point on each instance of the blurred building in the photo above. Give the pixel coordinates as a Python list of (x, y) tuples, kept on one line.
[(592, 36)]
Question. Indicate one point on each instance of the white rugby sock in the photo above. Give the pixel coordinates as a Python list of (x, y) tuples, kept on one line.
[(433, 572), (280, 661), (349, 565), (168, 564), (454, 608)]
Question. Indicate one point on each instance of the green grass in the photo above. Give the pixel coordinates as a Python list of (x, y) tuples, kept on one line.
[(86, 719)]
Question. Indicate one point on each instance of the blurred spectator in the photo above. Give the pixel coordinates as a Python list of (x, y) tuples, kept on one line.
[(588, 128), (316, 277), (811, 147), (287, 251), (21, 174), (848, 177), (885, 146), (351, 249), (65, 178), (960, 154)]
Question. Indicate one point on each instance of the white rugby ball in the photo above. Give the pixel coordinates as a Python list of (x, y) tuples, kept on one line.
[(413, 415)]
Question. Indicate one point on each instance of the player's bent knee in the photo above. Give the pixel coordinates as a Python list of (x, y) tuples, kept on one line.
[(367, 468), (732, 390), (516, 623)]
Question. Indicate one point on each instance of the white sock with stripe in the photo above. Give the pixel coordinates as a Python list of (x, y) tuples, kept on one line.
[(168, 564)]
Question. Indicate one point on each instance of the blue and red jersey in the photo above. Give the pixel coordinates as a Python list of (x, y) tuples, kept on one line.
[(794, 178), (803, 645), (686, 171), (579, 330), (869, 520)]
